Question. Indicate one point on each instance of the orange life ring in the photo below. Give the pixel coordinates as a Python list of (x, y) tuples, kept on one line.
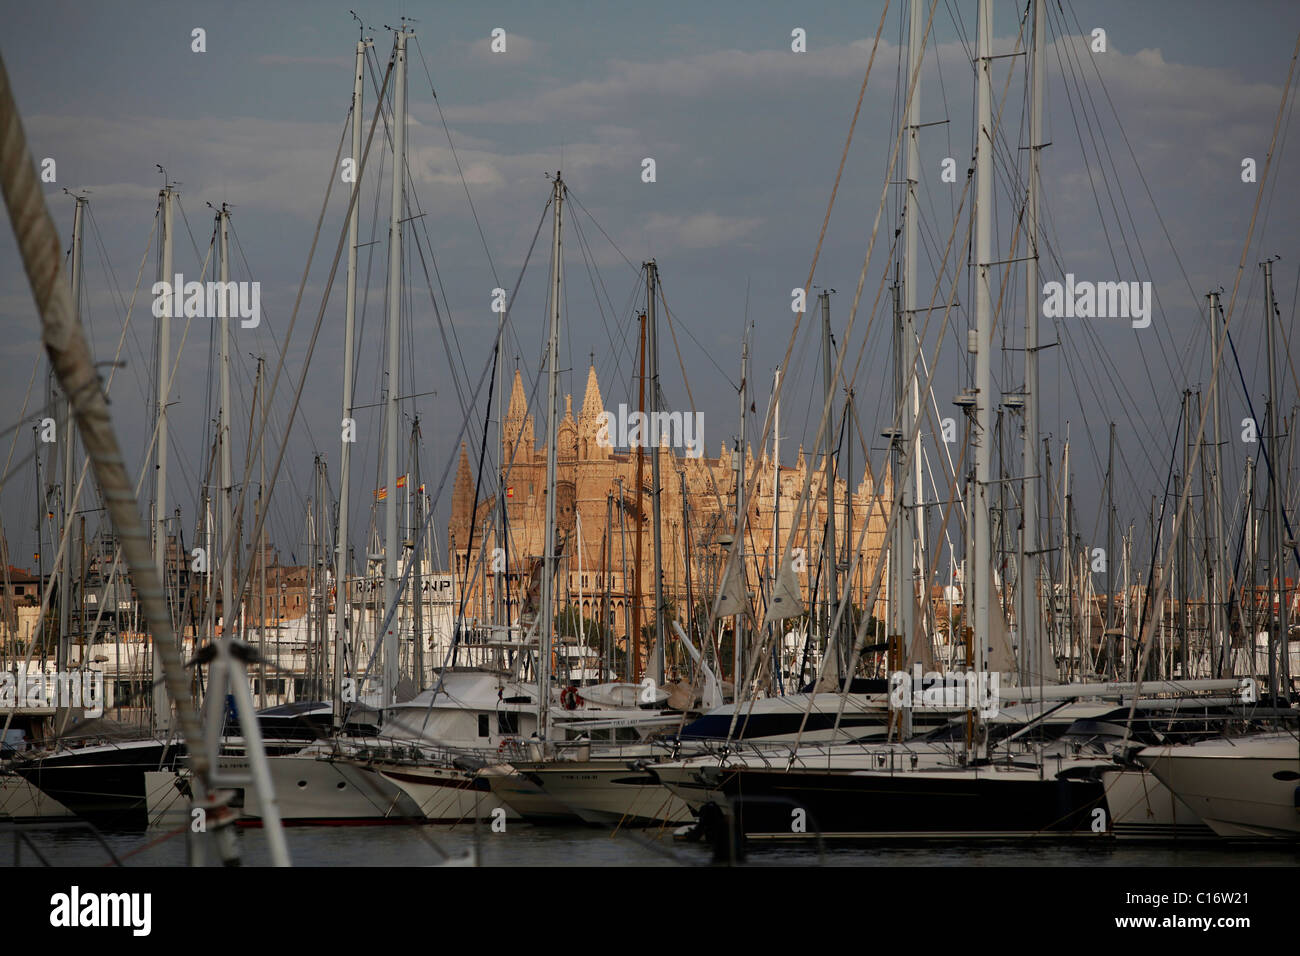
[(570, 699)]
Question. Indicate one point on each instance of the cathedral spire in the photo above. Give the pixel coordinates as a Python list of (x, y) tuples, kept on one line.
[(592, 421), (518, 401), (592, 404), (519, 424), (462, 492)]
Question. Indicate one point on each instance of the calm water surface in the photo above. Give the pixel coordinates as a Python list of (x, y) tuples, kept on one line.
[(526, 845)]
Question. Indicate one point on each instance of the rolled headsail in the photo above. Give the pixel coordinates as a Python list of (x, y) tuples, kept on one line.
[(69, 355)]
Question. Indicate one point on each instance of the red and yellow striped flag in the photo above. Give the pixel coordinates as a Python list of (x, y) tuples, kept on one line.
[(381, 493)]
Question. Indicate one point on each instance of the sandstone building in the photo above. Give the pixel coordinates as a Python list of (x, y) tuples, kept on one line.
[(597, 519)]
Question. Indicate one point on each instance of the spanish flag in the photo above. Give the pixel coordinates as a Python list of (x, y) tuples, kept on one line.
[(381, 493)]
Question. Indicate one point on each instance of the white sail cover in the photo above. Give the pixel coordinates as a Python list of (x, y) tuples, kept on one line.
[(732, 599), (787, 595)]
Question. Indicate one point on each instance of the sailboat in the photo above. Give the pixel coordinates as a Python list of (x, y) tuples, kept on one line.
[(1241, 787), (987, 787)]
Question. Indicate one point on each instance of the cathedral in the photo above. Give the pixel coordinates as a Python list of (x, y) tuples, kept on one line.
[(598, 515)]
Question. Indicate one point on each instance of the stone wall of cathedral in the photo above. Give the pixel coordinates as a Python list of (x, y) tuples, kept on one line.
[(596, 520)]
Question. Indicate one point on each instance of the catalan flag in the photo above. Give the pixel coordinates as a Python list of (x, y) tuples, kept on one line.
[(381, 493)]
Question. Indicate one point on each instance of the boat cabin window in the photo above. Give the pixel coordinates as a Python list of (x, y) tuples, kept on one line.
[(508, 722), (483, 725), (621, 735)]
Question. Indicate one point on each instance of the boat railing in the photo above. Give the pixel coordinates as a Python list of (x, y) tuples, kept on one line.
[(786, 755), (380, 750), (22, 838)]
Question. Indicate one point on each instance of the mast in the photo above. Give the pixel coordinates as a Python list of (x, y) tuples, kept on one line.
[(776, 475), (161, 709), (1221, 576), (829, 551), (606, 618), (635, 637), (416, 489), (224, 504), (391, 543), (979, 513), (1109, 638), (739, 631), (342, 605), (499, 568), (40, 538), (660, 635), (568, 580), (777, 639), (1184, 552), (847, 596), (259, 398), (1067, 558), (686, 553), (66, 445), (622, 565), (1206, 618), (1028, 614), (315, 620), (1125, 543), (547, 620), (1252, 535), (910, 464), (894, 591), (1278, 643)]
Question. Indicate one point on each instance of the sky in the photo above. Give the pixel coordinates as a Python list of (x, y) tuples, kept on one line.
[(1142, 180)]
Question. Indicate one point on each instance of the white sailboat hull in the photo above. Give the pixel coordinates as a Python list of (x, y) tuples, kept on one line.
[(1242, 787), (20, 800), (608, 793), (309, 789), (445, 794), (1143, 808), (525, 797)]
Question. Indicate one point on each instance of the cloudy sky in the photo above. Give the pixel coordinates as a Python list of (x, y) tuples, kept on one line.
[(1142, 179)]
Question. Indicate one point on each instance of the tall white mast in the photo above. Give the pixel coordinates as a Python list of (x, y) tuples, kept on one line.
[(983, 438), (1222, 577), (1027, 615), (161, 707), (66, 447), (546, 622), (652, 343), (776, 474), (391, 542), (342, 606), (738, 638), (910, 472), (830, 553), (1278, 646), (225, 505), (499, 518)]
